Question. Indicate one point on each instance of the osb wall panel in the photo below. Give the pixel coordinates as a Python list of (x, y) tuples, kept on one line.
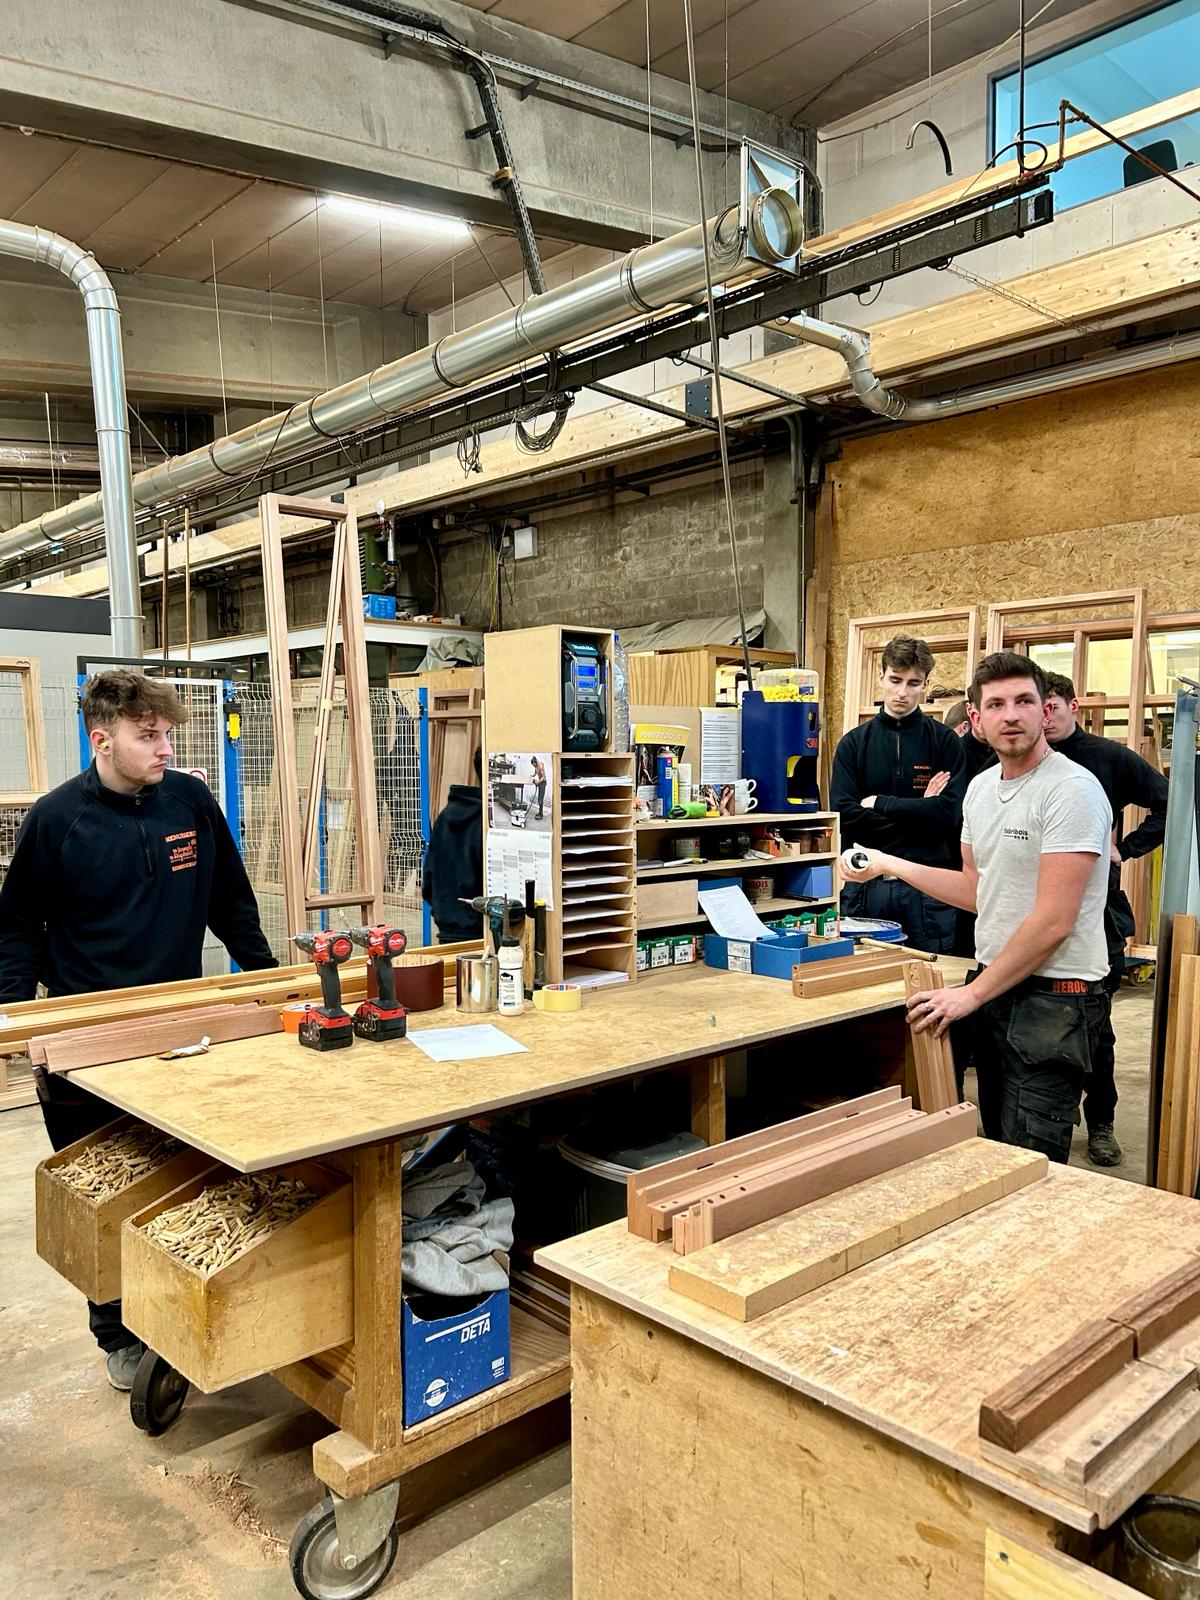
[(1098, 488)]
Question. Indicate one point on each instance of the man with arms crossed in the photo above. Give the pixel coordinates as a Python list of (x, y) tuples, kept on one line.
[(897, 785), (114, 878), (1035, 848), (1127, 780)]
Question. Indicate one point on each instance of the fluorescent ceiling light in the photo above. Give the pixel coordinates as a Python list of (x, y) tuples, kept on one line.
[(374, 212)]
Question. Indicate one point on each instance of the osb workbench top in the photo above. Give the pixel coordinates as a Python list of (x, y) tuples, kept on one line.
[(258, 1102), (910, 1344)]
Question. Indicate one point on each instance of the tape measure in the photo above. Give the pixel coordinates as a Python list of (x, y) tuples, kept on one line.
[(558, 997)]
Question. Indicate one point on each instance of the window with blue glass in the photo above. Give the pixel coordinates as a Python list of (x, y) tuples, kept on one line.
[(1152, 57)]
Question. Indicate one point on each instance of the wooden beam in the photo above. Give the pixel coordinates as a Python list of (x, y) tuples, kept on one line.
[(1007, 172), (1042, 1393)]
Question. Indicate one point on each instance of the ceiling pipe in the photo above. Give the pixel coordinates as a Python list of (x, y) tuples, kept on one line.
[(114, 503), (648, 279), (854, 347)]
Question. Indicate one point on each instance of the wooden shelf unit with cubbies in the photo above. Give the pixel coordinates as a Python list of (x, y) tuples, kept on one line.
[(813, 839), (591, 922)]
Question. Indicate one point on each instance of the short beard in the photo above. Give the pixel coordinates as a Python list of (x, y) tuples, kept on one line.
[(130, 776), (1016, 751)]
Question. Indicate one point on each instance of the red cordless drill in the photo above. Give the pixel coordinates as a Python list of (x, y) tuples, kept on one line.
[(383, 1017), (327, 1027)]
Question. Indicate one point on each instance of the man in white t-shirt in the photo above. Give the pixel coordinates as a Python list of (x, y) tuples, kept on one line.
[(1035, 852)]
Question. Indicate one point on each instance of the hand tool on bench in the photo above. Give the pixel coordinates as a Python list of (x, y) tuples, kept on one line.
[(382, 1016), (328, 1026), (493, 908)]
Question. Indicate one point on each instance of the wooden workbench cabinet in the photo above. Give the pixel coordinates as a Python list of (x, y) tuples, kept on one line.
[(695, 1476)]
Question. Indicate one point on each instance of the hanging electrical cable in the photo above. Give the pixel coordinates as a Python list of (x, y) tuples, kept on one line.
[(710, 304)]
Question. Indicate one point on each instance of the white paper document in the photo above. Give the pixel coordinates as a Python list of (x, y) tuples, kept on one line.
[(731, 914), (602, 781), (472, 1042), (720, 744)]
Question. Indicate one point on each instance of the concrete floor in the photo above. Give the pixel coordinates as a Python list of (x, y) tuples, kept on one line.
[(95, 1510)]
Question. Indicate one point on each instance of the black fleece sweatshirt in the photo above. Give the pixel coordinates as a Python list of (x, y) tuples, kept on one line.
[(454, 864), (893, 759), (1127, 780), (107, 890)]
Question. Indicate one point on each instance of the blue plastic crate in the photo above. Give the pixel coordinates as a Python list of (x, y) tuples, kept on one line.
[(379, 607)]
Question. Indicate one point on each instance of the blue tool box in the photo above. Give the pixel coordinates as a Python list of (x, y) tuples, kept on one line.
[(770, 958)]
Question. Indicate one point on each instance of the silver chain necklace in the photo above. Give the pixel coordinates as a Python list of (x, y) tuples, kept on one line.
[(1021, 782)]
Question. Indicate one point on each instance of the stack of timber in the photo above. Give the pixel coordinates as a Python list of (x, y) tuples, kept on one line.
[(839, 974), (1114, 1396), (29, 1020), (1179, 1113), (702, 1198), (764, 1268), (937, 1086)]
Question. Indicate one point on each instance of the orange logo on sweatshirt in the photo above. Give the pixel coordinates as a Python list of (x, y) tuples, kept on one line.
[(182, 853)]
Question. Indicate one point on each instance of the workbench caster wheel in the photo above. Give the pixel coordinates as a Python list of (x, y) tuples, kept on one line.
[(157, 1396), (317, 1568)]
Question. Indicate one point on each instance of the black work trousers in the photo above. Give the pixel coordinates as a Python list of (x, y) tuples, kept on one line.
[(69, 1112), (1100, 1103), (1033, 1055), (928, 924)]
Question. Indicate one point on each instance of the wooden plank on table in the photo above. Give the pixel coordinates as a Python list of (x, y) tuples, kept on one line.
[(811, 1178), (1185, 941), (639, 1184), (1038, 1395), (1116, 1442), (937, 1086), (1186, 1131), (864, 974), (127, 1041), (1013, 1571), (1162, 1309), (765, 1268), (666, 1203)]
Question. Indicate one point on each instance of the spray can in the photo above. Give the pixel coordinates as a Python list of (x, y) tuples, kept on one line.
[(511, 995)]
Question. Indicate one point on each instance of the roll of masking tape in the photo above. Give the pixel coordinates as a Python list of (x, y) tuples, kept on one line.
[(558, 997)]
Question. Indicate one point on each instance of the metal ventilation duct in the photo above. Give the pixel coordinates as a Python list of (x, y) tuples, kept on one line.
[(648, 279), (113, 506)]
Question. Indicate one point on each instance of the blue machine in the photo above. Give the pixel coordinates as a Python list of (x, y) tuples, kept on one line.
[(780, 746)]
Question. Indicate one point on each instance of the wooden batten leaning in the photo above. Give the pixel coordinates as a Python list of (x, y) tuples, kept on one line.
[(299, 849)]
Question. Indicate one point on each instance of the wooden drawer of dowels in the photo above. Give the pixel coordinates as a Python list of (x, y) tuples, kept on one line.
[(225, 1311), (126, 1165)]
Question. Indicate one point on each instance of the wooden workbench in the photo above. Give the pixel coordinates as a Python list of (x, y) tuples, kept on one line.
[(263, 1102), (831, 1447), (259, 1102)]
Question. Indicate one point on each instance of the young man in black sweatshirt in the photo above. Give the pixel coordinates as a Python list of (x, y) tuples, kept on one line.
[(898, 783), (114, 878), (1127, 780)]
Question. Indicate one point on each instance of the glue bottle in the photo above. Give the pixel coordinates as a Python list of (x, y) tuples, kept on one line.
[(511, 987)]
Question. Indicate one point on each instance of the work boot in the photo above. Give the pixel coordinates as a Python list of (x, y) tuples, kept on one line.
[(122, 1365), (1103, 1149)]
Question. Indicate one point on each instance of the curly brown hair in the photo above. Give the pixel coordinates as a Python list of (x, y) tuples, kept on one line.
[(118, 693)]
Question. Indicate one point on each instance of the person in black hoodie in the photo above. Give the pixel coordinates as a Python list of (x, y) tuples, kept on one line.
[(898, 783), (114, 877), (1127, 780), (453, 869)]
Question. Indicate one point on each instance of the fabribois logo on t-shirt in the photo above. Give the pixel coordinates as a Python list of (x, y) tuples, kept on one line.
[(1020, 834)]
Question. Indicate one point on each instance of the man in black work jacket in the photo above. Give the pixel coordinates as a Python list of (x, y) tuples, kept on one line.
[(898, 784), (114, 878), (1127, 780)]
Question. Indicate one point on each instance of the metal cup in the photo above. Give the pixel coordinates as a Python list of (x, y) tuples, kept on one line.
[(476, 983)]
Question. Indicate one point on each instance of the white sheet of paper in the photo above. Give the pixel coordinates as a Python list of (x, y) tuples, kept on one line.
[(471, 1042), (731, 914), (603, 781)]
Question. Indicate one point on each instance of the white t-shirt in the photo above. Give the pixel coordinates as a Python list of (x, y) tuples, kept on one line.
[(1010, 824)]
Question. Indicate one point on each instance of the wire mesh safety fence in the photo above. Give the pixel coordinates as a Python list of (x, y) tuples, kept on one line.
[(200, 749), (396, 747)]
